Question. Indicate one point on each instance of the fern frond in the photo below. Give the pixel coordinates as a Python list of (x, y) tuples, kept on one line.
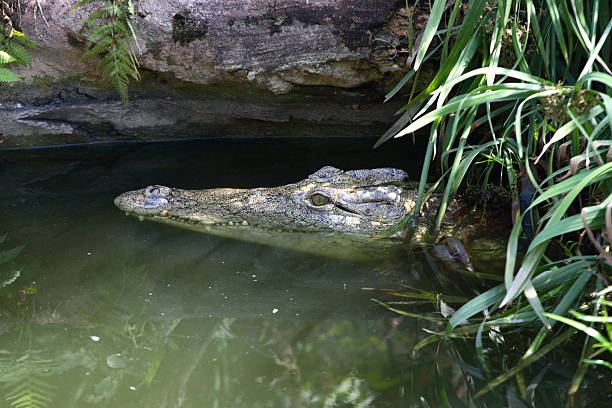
[(10, 278), (97, 49), (26, 385), (9, 254), (122, 55), (101, 32), (121, 84), (95, 16), (131, 8), (110, 31), (23, 39), (80, 3), (120, 27), (19, 53), (114, 9), (134, 73), (6, 75), (6, 58)]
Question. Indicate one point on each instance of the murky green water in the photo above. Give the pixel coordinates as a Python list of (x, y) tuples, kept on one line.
[(108, 311)]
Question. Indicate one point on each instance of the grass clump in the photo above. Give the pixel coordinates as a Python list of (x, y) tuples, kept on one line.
[(522, 99)]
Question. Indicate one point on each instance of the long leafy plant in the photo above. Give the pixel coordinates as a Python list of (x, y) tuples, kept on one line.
[(14, 51), (112, 38), (522, 97)]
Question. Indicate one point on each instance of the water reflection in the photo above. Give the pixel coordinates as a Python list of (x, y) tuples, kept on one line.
[(223, 328), (111, 312), (107, 311)]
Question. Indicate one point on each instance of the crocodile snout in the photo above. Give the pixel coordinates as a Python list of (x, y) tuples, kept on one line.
[(150, 198)]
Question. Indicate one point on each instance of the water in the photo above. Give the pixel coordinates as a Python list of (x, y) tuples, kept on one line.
[(111, 312)]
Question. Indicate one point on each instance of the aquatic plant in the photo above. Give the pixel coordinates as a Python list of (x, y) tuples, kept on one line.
[(112, 37), (521, 99), (602, 341), (6, 255), (26, 382)]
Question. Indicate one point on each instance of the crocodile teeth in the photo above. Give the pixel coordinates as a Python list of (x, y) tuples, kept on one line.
[(141, 218), (230, 223), (245, 223)]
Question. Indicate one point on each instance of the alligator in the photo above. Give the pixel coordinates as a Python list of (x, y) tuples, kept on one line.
[(333, 212)]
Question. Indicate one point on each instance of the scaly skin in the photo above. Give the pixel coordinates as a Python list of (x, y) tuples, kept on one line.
[(332, 212)]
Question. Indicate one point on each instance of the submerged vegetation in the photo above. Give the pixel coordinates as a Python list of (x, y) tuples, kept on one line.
[(112, 37), (521, 99)]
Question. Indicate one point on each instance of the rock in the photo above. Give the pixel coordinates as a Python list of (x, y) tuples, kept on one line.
[(213, 68)]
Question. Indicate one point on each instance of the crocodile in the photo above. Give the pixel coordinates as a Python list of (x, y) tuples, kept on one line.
[(332, 212)]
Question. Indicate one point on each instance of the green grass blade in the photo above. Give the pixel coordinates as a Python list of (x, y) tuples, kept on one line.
[(400, 84), (595, 52), (408, 76), (537, 33), (599, 362), (595, 76), (477, 305), (568, 185), (429, 155), (593, 319), (568, 299), (608, 105), (558, 27), (525, 363), (497, 71), (594, 217), (435, 15), (569, 127), (512, 250), (589, 331), (533, 257), (532, 297), (469, 29), (398, 125), (550, 277), (518, 117), (466, 101), (409, 314)]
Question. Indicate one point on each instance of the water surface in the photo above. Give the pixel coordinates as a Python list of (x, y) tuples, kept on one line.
[(108, 311)]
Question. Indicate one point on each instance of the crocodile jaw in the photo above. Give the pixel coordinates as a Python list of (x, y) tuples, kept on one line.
[(345, 246)]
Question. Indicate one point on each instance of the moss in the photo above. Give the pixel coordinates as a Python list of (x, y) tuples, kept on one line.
[(155, 48), (171, 61), (44, 81)]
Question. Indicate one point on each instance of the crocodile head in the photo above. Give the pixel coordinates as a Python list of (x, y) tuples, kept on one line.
[(358, 203)]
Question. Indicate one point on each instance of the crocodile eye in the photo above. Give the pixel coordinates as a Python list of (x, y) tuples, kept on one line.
[(151, 190), (319, 199)]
